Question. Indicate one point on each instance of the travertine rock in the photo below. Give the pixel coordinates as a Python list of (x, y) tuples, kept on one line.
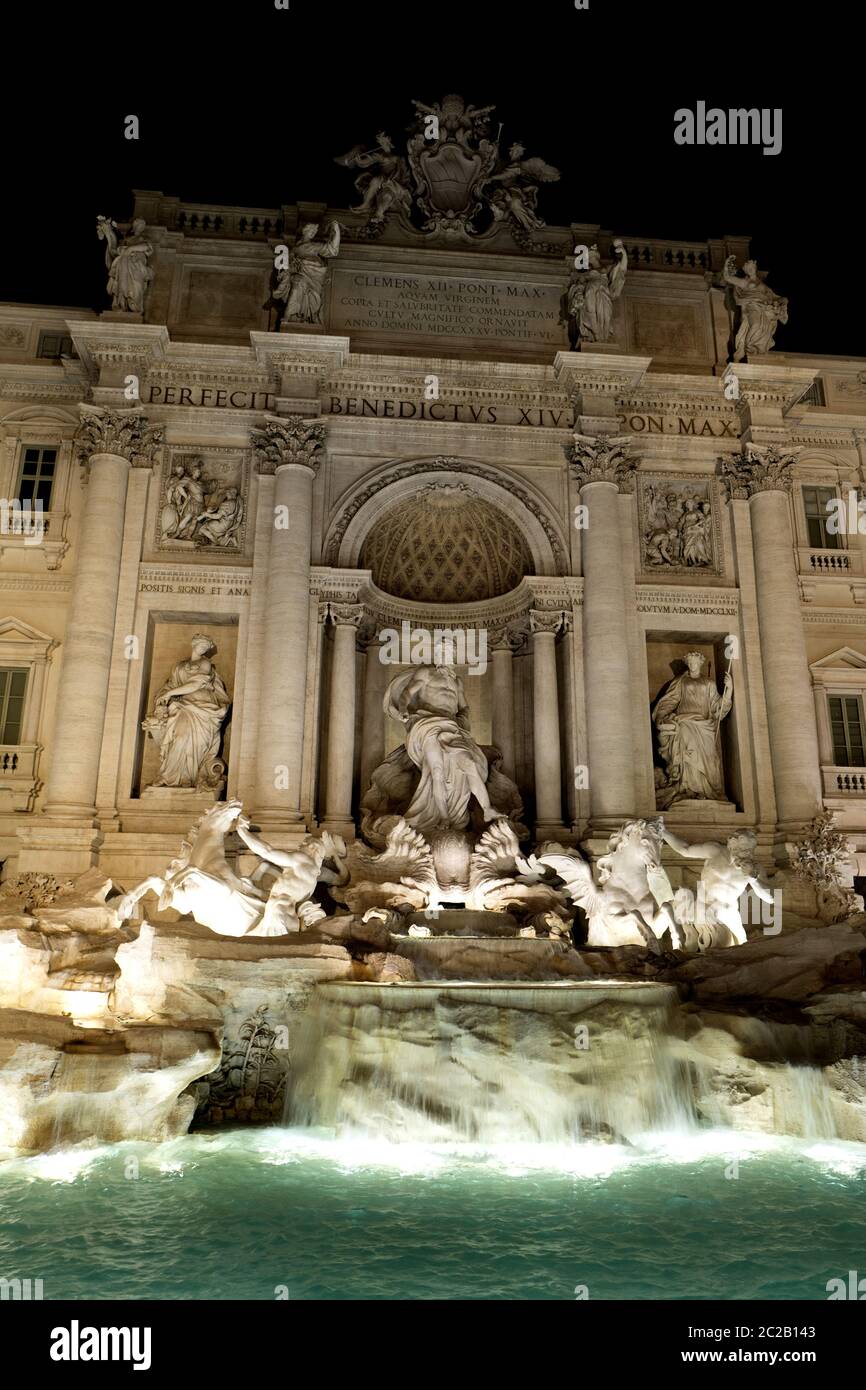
[(791, 966), (60, 1084)]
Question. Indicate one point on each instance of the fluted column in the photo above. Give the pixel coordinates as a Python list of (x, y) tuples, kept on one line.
[(291, 448), (373, 722), (341, 719), (602, 471), (112, 440), (765, 476), (545, 722), (503, 701)]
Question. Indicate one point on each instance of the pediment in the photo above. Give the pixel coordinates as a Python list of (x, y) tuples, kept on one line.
[(21, 642), (845, 659)]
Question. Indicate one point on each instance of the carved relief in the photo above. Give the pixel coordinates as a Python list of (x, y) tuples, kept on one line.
[(202, 502), (678, 524)]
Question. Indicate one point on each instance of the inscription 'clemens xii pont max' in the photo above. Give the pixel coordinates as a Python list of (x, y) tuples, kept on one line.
[(432, 305)]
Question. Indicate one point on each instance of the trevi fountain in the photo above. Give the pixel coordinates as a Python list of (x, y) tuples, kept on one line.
[(432, 790)]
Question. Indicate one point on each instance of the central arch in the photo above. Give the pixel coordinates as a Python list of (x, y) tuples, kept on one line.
[(527, 511)]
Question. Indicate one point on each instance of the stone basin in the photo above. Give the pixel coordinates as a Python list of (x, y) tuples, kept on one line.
[(462, 921), (490, 957)]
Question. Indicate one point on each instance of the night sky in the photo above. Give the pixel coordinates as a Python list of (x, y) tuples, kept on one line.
[(248, 105)]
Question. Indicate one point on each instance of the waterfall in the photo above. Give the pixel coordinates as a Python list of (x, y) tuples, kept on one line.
[(490, 1063), (557, 1063)]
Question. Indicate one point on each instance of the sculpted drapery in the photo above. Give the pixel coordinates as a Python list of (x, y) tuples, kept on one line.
[(431, 703), (187, 718), (688, 716)]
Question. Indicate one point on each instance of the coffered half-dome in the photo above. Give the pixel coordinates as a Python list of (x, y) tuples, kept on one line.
[(446, 545)]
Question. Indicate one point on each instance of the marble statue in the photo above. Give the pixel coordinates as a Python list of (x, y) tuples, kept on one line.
[(289, 908), (187, 720), (513, 189), (126, 261), (385, 189), (727, 872), (301, 285), (590, 296), (631, 903), (823, 859), (431, 703), (202, 883), (760, 310), (688, 715)]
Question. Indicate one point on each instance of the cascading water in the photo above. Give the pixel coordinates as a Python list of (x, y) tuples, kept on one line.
[(554, 1063), (491, 1063)]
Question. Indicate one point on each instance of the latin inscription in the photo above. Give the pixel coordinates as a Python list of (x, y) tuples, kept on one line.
[(433, 306)]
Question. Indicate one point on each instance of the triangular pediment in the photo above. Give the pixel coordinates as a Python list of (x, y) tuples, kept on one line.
[(16, 630), (845, 659)]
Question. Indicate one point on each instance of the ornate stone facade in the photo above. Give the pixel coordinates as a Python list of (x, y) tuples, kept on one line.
[(417, 463)]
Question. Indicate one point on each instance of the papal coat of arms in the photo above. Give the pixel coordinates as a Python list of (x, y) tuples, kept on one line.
[(459, 176)]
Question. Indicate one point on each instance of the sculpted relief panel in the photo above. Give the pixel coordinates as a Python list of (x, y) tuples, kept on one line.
[(202, 505), (678, 522)]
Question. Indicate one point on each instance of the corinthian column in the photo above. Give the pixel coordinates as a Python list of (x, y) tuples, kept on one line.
[(545, 722), (291, 448), (602, 471), (765, 476), (503, 700), (341, 719), (111, 440)]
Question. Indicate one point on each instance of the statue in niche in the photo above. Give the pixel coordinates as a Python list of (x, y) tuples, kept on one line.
[(688, 717), (728, 871), (516, 190), (187, 720), (431, 703), (440, 779), (590, 295), (760, 310), (126, 261), (384, 189), (302, 284)]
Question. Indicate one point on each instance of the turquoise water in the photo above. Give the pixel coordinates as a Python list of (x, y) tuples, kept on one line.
[(237, 1215)]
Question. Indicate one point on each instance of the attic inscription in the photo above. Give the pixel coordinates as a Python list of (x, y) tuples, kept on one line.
[(451, 306)]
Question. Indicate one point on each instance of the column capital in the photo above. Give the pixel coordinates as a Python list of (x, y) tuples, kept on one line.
[(345, 614), (506, 639), (550, 620), (290, 439), (603, 459), (126, 434), (759, 468)]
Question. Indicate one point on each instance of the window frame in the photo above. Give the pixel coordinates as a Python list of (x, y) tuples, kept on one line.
[(831, 541), (6, 696), (26, 447), (857, 699)]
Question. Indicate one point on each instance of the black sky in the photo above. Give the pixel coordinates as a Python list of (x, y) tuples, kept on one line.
[(244, 104)]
